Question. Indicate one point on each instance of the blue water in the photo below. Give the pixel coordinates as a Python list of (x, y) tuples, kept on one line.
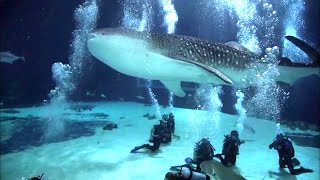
[(56, 103)]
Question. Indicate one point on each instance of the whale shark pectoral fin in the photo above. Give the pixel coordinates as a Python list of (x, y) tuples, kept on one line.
[(174, 87), (223, 77)]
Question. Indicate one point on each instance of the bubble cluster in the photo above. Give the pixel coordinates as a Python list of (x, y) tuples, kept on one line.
[(200, 125), (293, 23), (171, 101), (278, 128), (170, 17), (86, 16), (269, 22), (241, 110), (153, 98), (68, 76), (247, 15), (265, 103), (61, 74), (208, 98), (138, 14)]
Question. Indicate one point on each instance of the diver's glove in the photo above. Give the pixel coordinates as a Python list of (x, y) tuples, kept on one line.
[(270, 146)]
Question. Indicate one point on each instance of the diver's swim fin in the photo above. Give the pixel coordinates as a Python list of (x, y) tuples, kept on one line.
[(135, 149), (306, 170), (302, 170), (175, 137)]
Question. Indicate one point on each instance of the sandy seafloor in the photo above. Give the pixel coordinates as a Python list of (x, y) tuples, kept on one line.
[(106, 154)]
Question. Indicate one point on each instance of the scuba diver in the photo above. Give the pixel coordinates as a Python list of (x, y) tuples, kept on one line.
[(158, 133), (171, 123), (203, 151), (185, 173), (230, 149), (34, 178), (170, 127), (285, 149)]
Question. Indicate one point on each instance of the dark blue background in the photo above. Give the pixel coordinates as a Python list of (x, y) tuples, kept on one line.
[(41, 31)]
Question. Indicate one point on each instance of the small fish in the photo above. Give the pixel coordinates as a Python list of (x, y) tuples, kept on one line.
[(140, 97), (8, 57), (88, 93), (247, 127)]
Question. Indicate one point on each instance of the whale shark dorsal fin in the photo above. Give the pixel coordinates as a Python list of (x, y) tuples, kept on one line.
[(174, 87), (210, 69)]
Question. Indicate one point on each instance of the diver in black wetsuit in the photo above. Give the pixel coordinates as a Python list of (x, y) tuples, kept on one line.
[(203, 151), (171, 123), (230, 149), (285, 150), (170, 127), (36, 177), (158, 133)]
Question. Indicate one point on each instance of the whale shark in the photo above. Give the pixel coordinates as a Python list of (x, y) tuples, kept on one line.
[(174, 58)]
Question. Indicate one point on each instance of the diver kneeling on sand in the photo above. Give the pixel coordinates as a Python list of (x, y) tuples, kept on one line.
[(285, 150), (230, 149), (170, 127), (203, 151), (158, 133)]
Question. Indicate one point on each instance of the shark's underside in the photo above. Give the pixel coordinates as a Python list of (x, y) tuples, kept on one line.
[(175, 58)]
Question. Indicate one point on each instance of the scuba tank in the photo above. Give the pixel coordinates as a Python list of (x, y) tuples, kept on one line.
[(203, 151)]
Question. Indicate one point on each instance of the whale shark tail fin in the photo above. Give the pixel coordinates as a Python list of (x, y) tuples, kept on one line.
[(310, 51)]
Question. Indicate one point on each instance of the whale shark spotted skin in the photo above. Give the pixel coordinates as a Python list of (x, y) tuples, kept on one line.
[(175, 58)]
